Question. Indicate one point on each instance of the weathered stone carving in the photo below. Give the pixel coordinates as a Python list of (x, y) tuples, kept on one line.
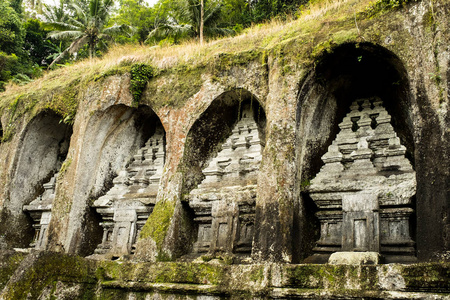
[(128, 204), (364, 191), (224, 203), (40, 211)]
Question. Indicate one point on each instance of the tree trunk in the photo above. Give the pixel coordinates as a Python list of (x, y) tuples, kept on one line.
[(91, 50), (201, 21)]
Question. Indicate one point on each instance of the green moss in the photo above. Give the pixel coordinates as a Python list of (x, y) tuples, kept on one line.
[(305, 184), (8, 264), (420, 276), (158, 223), (175, 86), (65, 103), (120, 70), (333, 277), (42, 270), (66, 164), (113, 280), (8, 131), (338, 38), (381, 6), (257, 275), (140, 75), (223, 61), (188, 273)]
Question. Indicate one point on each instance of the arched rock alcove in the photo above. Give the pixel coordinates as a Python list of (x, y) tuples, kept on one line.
[(350, 72), (42, 148), (112, 139), (221, 163)]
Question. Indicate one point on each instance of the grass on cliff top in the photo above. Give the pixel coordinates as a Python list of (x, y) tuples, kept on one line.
[(311, 26)]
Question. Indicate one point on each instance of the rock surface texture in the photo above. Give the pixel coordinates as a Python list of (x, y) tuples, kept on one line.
[(239, 166)]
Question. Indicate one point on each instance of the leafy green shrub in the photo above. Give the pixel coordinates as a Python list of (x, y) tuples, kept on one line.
[(8, 65), (140, 75)]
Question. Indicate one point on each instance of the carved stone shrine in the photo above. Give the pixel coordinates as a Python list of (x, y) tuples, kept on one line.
[(127, 205), (40, 211), (365, 190), (224, 203)]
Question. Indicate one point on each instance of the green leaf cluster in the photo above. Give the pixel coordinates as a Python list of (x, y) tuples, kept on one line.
[(85, 25), (140, 75), (12, 33)]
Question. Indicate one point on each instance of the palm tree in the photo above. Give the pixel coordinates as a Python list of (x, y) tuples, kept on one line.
[(85, 26), (54, 13), (187, 21)]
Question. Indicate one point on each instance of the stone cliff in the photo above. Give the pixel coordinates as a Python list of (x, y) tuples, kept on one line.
[(277, 147)]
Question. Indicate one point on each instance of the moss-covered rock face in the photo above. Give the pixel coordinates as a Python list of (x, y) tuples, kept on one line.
[(41, 276), (304, 76)]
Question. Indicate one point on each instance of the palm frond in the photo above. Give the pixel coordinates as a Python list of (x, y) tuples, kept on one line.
[(54, 13), (117, 29), (212, 14), (65, 34), (75, 22), (80, 12), (94, 7), (61, 26), (172, 30)]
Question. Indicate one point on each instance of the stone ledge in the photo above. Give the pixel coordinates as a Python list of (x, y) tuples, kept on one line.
[(354, 258), (41, 271)]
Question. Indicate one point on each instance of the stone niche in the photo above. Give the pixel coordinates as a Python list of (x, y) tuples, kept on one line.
[(125, 208), (43, 148), (365, 191), (224, 202)]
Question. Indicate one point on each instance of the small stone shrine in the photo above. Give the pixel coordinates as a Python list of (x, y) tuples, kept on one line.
[(127, 205), (40, 211), (224, 203), (365, 190)]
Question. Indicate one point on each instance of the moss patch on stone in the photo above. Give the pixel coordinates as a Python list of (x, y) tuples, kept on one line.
[(53, 272), (41, 270), (158, 223), (9, 261), (175, 86)]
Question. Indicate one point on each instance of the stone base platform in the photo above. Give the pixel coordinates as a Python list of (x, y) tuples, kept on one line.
[(43, 275)]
